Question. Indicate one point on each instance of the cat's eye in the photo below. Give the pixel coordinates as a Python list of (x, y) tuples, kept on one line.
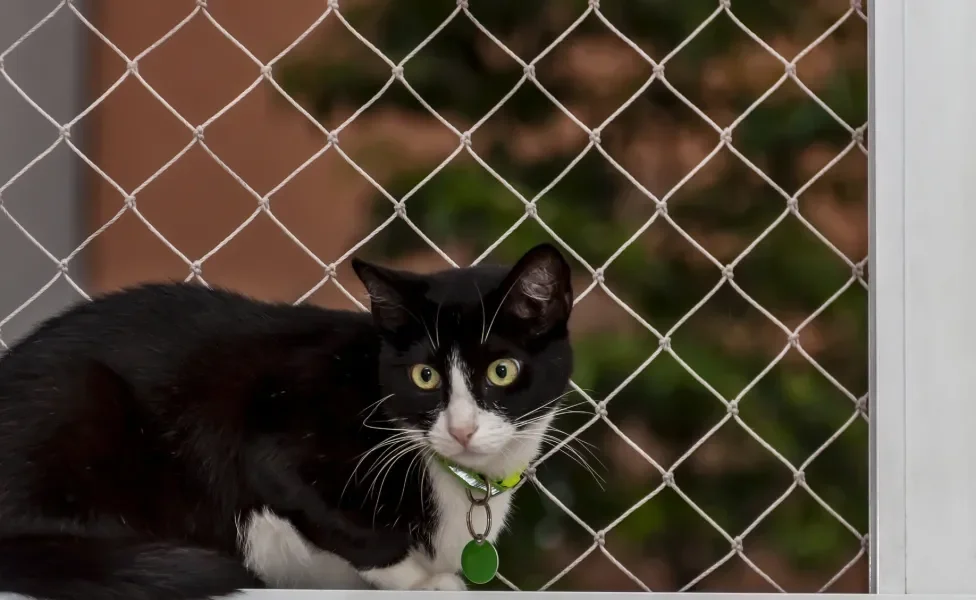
[(425, 377), (503, 372)]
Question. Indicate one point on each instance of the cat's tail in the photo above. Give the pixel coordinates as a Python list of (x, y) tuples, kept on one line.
[(77, 567)]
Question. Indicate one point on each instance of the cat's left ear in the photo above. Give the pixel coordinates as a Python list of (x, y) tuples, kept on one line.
[(539, 289), (386, 296)]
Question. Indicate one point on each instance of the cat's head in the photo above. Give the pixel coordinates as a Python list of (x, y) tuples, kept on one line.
[(474, 361)]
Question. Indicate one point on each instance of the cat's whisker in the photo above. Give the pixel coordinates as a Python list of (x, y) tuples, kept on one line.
[(567, 441), (437, 325), (413, 445), (550, 403), (564, 411), (576, 457), (392, 448), (588, 445), (389, 450), (395, 429), (385, 443), (497, 310), (422, 322), (549, 415), (410, 466), (380, 401), (428, 457), (481, 299), (378, 467), (374, 406), (585, 445)]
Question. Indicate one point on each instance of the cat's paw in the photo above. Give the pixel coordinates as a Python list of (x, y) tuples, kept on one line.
[(442, 582)]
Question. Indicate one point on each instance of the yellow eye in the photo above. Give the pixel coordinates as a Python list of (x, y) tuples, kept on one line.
[(503, 371), (425, 377)]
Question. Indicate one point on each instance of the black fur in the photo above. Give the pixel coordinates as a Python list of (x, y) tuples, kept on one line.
[(136, 428)]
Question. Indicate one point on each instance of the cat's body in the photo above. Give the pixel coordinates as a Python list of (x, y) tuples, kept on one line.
[(175, 442)]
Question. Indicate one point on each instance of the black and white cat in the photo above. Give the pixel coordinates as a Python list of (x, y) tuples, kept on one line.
[(173, 442)]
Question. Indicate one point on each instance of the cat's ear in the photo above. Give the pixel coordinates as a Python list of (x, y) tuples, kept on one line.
[(538, 289), (385, 289)]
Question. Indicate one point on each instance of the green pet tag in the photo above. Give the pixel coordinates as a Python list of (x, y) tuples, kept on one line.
[(479, 561)]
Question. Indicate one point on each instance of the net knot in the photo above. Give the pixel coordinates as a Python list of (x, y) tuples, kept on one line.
[(601, 408), (794, 340), (202, 3), (466, 138), (400, 208), (462, 4), (398, 72), (332, 138), (330, 270), (664, 343), (733, 408), (198, 132), (728, 272), (196, 268), (595, 136), (800, 477), (662, 207), (529, 72), (63, 265), (132, 67), (600, 538), (333, 4), (594, 4), (65, 132), (130, 201), (792, 204), (658, 70), (266, 71), (791, 69), (598, 275), (726, 135), (531, 210), (264, 203), (737, 544), (668, 478), (725, 3)]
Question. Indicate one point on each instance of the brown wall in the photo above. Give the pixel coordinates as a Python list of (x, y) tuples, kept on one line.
[(195, 203)]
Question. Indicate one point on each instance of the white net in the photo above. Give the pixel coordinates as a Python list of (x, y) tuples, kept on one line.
[(599, 406)]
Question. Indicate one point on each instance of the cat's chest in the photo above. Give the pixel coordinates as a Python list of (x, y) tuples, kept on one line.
[(451, 532)]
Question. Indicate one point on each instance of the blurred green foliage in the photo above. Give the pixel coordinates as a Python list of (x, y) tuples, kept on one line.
[(595, 209)]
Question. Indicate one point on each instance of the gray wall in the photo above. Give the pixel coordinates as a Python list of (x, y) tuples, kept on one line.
[(47, 200)]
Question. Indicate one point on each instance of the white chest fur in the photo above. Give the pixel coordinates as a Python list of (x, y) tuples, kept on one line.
[(452, 532)]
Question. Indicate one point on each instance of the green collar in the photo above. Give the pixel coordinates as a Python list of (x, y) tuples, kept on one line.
[(478, 482)]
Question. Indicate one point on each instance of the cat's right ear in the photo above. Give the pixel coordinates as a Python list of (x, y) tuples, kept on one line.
[(384, 287)]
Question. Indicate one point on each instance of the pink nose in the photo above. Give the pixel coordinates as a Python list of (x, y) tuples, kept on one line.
[(462, 433)]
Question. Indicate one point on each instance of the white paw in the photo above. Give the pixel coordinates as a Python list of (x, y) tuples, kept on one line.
[(442, 582)]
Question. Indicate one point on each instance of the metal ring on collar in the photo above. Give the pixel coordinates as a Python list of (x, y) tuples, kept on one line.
[(479, 537)]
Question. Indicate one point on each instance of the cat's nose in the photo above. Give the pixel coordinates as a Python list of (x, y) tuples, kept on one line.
[(462, 433)]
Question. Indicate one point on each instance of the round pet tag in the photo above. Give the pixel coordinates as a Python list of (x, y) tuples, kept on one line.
[(479, 561)]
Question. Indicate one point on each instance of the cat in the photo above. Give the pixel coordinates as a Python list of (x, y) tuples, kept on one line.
[(169, 441)]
